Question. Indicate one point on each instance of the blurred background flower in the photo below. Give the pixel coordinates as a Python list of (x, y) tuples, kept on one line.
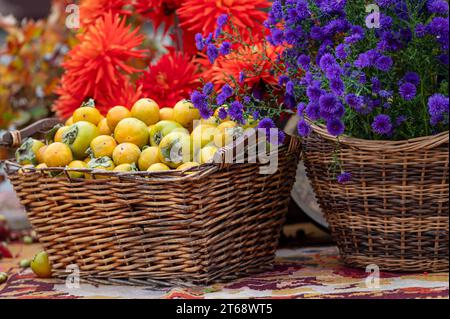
[(30, 64)]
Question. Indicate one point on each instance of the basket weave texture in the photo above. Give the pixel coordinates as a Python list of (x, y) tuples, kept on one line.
[(394, 211), (215, 223)]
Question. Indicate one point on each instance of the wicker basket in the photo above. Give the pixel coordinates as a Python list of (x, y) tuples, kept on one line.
[(218, 222), (394, 212)]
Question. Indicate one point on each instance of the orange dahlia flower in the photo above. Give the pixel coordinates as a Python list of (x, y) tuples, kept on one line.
[(171, 79)]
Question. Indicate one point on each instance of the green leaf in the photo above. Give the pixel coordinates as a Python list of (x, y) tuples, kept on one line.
[(50, 136), (88, 103), (25, 154)]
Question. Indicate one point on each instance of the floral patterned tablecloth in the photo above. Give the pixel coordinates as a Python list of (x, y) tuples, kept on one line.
[(298, 273)]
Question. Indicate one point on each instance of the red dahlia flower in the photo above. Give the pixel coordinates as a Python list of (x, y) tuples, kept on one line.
[(91, 10), (158, 11), (100, 64), (254, 61), (200, 16), (171, 79)]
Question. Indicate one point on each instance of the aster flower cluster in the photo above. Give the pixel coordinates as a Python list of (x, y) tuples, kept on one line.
[(388, 81), (240, 84)]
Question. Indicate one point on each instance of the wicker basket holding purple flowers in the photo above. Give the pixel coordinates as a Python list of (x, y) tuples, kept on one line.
[(373, 107)]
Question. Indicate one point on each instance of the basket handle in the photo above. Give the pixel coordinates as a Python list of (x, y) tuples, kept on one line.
[(13, 139), (233, 150)]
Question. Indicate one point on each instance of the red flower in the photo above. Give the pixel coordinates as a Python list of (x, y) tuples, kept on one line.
[(100, 64), (200, 16), (255, 61), (171, 79), (158, 11), (91, 10)]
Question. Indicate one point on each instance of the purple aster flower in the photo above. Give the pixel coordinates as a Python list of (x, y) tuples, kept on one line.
[(344, 178), (327, 102), (290, 88), (384, 63), (340, 110), (342, 51), (333, 72), (386, 94), (247, 99), (335, 127), (266, 123), (412, 77), (199, 100), (222, 113), (313, 92), (332, 6), (354, 101), (363, 61), (309, 78), (382, 124), (438, 27), (212, 52), (282, 80), (313, 111), (241, 77), (292, 35), (208, 88), (277, 10), (227, 90), (407, 91), (437, 6), (277, 36), (303, 128), (221, 99), (435, 120), (209, 38), (236, 112), (225, 48), (199, 42), (437, 107), (385, 3), (301, 108), (420, 30), (281, 137), (385, 21), (327, 61), (222, 20), (357, 34), (389, 42), (206, 112), (337, 86), (304, 61)]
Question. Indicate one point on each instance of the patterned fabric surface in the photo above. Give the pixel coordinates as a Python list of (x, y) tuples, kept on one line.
[(298, 273)]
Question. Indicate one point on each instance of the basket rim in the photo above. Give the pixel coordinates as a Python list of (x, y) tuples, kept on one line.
[(12, 167), (409, 145), (192, 173)]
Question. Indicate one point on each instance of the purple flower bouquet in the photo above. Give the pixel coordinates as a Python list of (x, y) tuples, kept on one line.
[(373, 106)]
